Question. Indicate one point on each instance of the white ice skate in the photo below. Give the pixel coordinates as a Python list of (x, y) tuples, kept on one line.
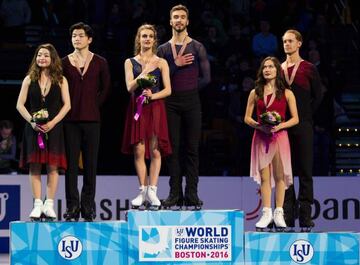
[(36, 212), (140, 199), (279, 221), (266, 220), (48, 210), (153, 198)]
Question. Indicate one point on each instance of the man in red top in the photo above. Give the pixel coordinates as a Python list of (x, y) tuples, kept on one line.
[(89, 83), (304, 80)]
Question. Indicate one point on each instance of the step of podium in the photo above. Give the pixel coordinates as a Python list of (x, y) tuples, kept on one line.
[(333, 248), (43, 243), (186, 237)]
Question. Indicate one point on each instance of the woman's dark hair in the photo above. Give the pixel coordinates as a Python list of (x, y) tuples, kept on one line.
[(261, 81), (6, 124)]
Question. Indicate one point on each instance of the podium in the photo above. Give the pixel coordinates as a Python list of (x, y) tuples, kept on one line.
[(213, 237), (186, 237), (68, 243), (301, 248)]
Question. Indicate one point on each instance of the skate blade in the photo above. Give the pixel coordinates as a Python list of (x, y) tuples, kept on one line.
[(289, 229), (172, 208), (193, 208), (280, 229), (266, 229), (49, 219), (154, 208), (35, 219), (305, 229), (139, 208)]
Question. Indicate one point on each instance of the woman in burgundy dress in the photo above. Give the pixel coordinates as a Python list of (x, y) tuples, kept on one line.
[(270, 151), (146, 131), (46, 91)]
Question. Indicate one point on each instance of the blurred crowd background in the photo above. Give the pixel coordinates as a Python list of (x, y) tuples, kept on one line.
[(237, 35)]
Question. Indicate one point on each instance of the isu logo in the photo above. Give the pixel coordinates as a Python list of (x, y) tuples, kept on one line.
[(301, 251), (3, 199), (70, 247)]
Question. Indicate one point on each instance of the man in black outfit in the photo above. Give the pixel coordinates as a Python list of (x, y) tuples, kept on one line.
[(304, 80)]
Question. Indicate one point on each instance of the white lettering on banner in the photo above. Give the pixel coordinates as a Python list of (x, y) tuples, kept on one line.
[(185, 243), (3, 199)]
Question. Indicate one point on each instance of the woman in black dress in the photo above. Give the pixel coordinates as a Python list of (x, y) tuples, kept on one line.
[(46, 91)]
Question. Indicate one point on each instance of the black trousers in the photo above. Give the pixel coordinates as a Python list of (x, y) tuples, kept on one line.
[(184, 120), (85, 137), (301, 141)]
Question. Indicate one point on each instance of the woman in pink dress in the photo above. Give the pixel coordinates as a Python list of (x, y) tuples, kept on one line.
[(270, 151)]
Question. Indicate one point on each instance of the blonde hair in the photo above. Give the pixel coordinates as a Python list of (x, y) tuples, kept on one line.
[(297, 34), (137, 45)]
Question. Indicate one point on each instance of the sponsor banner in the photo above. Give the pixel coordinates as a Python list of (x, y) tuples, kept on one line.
[(185, 243), (69, 243), (301, 248), (186, 237)]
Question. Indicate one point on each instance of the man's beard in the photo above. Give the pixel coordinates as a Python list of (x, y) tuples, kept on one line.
[(179, 29)]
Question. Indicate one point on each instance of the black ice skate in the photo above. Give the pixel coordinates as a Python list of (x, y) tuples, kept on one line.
[(72, 214), (192, 202), (173, 202)]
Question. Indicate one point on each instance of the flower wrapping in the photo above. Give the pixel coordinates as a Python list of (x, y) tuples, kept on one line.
[(270, 118), (146, 82), (41, 117)]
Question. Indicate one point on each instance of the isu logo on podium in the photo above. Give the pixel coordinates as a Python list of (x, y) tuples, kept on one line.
[(301, 251), (70, 247), (3, 198)]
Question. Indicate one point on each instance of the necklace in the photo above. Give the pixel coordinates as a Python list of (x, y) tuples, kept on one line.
[(145, 60), (181, 51), (44, 89), (285, 67), (79, 63)]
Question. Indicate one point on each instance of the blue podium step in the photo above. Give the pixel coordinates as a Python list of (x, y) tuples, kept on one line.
[(301, 248), (186, 237), (68, 243)]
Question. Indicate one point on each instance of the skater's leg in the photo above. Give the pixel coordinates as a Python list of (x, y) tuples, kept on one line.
[(52, 184), (35, 182), (140, 167), (265, 187), (278, 170), (154, 171)]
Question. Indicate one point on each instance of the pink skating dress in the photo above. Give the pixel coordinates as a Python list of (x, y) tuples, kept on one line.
[(264, 146)]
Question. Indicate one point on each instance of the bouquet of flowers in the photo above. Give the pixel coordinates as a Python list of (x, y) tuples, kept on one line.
[(41, 117), (272, 118), (148, 81)]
